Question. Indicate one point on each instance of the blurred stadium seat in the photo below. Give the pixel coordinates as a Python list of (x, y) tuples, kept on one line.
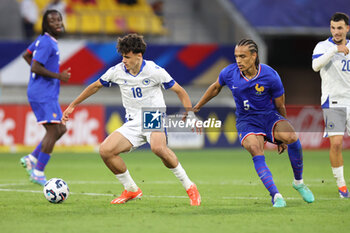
[(107, 17)]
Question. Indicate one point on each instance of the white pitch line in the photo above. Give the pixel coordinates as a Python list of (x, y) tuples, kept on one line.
[(165, 196)]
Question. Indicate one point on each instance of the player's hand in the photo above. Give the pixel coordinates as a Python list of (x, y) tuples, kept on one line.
[(66, 113), (195, 109), (281, 148), (64, 76), (343, 49), (189, 117)]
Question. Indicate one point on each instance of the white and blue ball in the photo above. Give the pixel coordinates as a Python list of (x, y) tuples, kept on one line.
[(56, 190)]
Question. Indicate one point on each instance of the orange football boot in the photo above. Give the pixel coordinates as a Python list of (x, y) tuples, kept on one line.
[(127, 196), (194, 195)]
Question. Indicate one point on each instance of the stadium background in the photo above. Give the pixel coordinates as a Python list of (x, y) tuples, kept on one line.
[(193, 40)]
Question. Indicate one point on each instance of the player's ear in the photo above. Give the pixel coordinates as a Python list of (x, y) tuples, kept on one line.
[(254, 55)]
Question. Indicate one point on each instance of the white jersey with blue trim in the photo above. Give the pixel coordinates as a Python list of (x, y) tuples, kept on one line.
[(334, 70), (142, 90)]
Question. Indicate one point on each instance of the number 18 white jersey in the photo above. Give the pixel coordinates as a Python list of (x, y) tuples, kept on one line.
[(334, 70), (142, 90)]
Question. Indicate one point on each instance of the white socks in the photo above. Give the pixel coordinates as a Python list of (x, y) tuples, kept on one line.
[(38, 173), (338, 173), (127, 181), (297, 182), (130, 185), (277, 195), (180, 173), (32, 158)]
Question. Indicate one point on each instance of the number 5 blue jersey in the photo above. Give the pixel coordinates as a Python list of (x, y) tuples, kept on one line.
[(45, 51), (256, 95)]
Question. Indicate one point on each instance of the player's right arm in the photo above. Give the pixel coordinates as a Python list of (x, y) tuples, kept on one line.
[(212, 91), (87, 92), (39, 69), (321, 57)]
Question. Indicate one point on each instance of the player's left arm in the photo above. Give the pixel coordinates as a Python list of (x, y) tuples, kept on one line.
[(183, 96), (27, 57), (280, 105)]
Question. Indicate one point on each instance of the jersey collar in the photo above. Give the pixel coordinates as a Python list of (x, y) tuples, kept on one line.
[(142, 65), (52, 38), (247, 79), (330, 39)]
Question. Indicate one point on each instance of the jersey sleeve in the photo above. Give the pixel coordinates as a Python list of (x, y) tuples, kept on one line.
[(31, 47), (277, 88), (106, 78), (42, 51), (222, 77), (319, 50), (165, 79), (322, 55)]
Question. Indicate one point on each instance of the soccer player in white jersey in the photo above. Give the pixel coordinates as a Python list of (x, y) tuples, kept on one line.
[(140, 82), (331, 57)]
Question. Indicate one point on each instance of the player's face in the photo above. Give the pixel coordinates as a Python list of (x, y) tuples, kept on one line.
[(244, 58), (55, 24), (339, 30), (132, 61)]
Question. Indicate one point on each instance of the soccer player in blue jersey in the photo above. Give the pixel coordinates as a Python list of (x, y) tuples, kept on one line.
[(261, 115), (43, 91)]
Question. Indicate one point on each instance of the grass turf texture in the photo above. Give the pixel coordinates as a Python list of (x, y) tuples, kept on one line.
[(233, 197)]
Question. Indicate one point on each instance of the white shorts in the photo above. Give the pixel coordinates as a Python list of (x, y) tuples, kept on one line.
[(132, 130), (336, 119)]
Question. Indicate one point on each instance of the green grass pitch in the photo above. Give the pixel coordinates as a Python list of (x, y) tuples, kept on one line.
[(233, 197)]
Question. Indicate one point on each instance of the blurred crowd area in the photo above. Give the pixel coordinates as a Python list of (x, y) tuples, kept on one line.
[(98, 17)]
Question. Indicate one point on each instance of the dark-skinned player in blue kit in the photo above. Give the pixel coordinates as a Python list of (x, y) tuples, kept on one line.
[(43, 91), (261, 115)]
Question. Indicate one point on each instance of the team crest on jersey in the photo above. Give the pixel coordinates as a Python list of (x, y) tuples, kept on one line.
[(54, 115), (258, 89), (146, 81)]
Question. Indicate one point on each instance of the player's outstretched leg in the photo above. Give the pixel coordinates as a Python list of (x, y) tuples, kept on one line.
[(296, 159), (29, 161), (37, 176), (169, 159), (266, 177), (338, 173), (190, 187), (131, 191)]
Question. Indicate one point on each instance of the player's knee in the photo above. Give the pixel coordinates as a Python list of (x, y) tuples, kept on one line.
[(254, 149), (157, 149), (62, 130), (336, 145), (105, 151), (291, 138)]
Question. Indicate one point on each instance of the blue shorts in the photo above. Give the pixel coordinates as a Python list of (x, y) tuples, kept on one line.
[(258, 124), (47, 112)]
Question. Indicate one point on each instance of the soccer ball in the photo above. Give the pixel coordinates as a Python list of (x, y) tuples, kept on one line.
[(56, 190)]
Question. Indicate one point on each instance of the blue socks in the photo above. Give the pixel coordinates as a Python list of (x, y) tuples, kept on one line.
[(264, 174), (36, 151), (295, 153), (43, 159)]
